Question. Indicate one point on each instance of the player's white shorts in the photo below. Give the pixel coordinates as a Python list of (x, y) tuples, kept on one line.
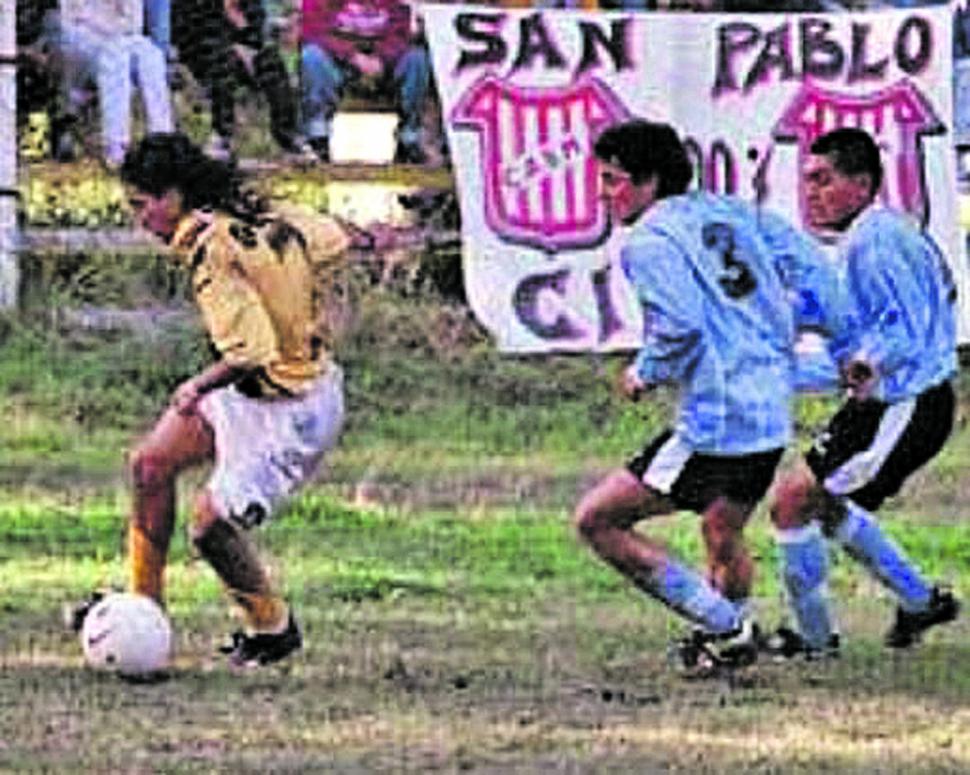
[(265, 449)]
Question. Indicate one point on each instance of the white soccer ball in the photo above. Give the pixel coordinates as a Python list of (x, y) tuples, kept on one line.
[(127, 633)]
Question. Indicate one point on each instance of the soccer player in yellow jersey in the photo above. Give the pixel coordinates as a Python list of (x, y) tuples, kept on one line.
[(266, 410)]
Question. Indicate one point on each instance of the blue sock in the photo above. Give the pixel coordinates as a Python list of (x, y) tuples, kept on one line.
[(689, 594), (865, 542), (804, 569), (744, 607)]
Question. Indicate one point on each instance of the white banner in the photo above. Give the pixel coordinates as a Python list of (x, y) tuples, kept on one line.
[(525, 92)]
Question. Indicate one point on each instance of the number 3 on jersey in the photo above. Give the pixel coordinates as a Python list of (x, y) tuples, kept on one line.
[(737, 281)]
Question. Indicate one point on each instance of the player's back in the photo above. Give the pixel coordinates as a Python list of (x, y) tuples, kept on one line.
[(254, 281), (898, 303), (735, 266), (705, 260)]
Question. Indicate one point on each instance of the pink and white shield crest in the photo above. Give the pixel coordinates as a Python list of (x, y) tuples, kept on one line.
[(897, 117), (540, 181)]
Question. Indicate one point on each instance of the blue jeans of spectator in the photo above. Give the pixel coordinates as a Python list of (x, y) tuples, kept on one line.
[(961, 101), (158, 23), (627, 5), (323, 78), (116, 66)]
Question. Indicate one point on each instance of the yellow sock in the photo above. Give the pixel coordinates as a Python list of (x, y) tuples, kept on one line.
[(234, 559), (146, 562), (263, 611)]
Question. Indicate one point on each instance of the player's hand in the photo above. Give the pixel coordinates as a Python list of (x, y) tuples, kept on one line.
[(384, 237), (858, 379), (631, 385), (186, 397)]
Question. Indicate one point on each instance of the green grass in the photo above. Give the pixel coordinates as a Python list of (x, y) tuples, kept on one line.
[(442, 640), (453, 621)]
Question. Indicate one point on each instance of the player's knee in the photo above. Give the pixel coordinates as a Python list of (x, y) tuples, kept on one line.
[(722, 525), (205, 518), (721, 537), (792, 502), (589, 522), (149, 471), (584, 521)]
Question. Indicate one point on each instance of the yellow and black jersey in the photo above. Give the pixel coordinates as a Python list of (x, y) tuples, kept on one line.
[(255, 285)]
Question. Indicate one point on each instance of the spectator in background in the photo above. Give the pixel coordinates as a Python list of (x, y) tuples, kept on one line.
[(158, 25), (961, 80), (34, 78), (283, 31), (346, 40), (103, 41), (223, 44)]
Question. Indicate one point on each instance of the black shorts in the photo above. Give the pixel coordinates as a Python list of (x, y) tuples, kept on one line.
[(693, 481), (869, 448)]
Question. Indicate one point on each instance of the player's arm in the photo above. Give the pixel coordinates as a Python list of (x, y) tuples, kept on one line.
[(672, 309), (811, 285), (219, 374), (237, 322), (878, 336), (330, 239), (380, 237), (326, 238)]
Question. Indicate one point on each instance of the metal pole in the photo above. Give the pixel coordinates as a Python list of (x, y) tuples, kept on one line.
[(9, 270)]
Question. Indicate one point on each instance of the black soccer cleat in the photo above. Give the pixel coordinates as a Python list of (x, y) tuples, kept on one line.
[(263, 648), (704, 653), (784, 645), (76, 613), (321, 148), (909, 627)]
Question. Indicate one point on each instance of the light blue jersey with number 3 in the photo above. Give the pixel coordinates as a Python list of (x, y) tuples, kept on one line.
[(713, 277)]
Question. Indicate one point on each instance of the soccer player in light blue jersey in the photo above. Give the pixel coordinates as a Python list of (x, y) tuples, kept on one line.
[(718, 322), (891, 333)]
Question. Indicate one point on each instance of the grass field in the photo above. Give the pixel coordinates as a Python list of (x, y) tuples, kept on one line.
[(453, 622)]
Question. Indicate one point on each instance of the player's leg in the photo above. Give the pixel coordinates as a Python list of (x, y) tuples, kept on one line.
[(604, 519), (909, 434), (268, 449), (797, 505), (865, 455), (921, 605), (224, 544), (729, 563), (724, 490), (176, 442)]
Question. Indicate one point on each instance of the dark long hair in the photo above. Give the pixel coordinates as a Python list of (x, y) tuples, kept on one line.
[(163, 161)]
